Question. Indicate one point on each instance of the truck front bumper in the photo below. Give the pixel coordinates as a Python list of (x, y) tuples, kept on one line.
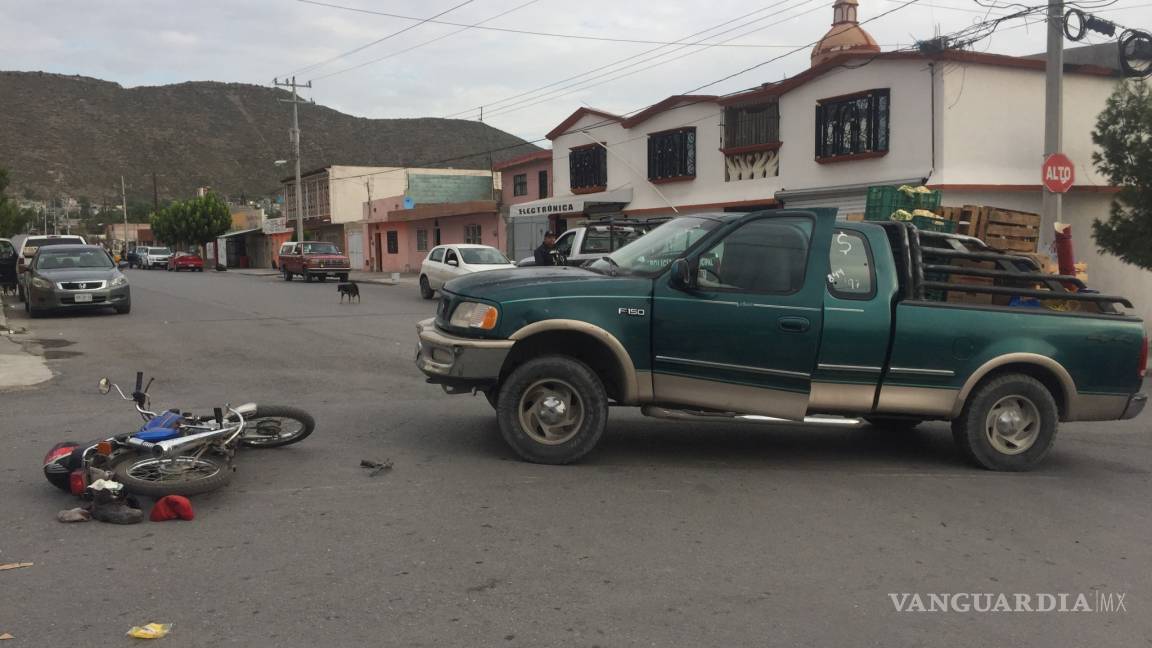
[(1135, 405), (459, 363)]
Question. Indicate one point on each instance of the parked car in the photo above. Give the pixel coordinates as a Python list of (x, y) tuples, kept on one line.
[(28, 248), (785, 314), (136, 257), (72, 277), (7, 265), (593, 240), (185, 261), (445, 262), (154, 257), (285, 248), (314, 260)]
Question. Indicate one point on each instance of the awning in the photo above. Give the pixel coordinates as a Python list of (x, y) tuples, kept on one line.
[(240, 232), (571, 204), (849, 199)]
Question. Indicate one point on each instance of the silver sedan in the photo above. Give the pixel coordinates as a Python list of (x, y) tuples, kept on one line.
[(70, 277)]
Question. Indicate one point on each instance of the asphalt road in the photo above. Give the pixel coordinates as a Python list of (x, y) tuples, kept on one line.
[(671, 534)]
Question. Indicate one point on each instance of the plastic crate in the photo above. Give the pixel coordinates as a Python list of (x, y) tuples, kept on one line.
[(884, 200), (934, 224)]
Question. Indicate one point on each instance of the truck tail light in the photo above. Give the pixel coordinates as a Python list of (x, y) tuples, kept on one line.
[(1144, 357)]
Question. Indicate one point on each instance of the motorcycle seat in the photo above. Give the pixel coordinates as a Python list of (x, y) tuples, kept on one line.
[(161, 428)]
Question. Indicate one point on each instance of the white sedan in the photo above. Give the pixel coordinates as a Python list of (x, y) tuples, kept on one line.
[(446, 262)]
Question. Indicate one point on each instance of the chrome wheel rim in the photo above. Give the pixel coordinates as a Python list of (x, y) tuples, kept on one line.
[(176, 469), (551, 412), (270, 428), (1013, 425)]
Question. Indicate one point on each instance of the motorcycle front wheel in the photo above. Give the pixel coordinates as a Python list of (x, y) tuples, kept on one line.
[(181, 475), (272, 426)]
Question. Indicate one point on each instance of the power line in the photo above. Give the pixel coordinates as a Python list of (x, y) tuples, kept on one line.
[(593, 76), (381, 40), (526, 32), (427, 42)]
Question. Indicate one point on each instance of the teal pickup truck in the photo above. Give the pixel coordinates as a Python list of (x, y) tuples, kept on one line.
[(786, 314)]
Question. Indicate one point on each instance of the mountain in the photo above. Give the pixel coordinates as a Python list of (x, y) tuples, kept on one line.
[(77, 135)]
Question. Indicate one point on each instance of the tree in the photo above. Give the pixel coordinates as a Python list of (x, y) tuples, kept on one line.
[(194, 221), (13, 220), (1123, 136)]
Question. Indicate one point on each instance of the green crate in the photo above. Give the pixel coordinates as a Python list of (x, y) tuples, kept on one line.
[(884, 200), (934, 224)]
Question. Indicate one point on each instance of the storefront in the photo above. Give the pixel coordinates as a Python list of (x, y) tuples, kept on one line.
[(527, 222), (848, 199)]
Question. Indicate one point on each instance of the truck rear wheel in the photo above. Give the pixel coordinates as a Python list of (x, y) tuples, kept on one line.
[(1009, 423), (552, 410)]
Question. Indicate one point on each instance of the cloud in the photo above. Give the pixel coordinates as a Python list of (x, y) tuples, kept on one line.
[(170, 41)]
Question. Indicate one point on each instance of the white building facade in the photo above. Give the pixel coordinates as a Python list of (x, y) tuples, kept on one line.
[(966, 123)]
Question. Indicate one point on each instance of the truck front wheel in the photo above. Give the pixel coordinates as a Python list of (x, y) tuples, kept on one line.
[(552, 410), (1009, 423)]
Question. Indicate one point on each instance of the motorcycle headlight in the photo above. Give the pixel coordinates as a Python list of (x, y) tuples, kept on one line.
[(475, 315), (119, 281), (37, 282)]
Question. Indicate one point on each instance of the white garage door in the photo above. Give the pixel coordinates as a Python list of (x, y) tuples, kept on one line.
[(356, 250)]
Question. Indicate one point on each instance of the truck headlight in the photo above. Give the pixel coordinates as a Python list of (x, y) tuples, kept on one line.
[(475, 315), (37, 282)]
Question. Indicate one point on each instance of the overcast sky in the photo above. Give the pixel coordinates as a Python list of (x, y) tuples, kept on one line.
[(153, 42)]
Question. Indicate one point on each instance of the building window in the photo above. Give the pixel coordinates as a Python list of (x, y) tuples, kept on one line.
[(751, 125), (856, 125), (393, 242), (542, 179), (472, 234), (421, 240), (588, 168), (672, 154), (520, 184)]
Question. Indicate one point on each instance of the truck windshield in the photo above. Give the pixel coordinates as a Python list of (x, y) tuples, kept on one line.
[(651, 253), (320, 248)]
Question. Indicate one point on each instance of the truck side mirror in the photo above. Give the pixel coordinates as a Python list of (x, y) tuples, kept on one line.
[(682, 276)]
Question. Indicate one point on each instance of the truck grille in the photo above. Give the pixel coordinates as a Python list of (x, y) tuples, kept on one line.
[(82, 285)]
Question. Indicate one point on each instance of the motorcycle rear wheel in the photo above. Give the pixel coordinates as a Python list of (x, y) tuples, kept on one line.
[(272, 426), (181, 475)]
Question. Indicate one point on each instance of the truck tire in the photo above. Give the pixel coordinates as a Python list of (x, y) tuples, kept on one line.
[(1009, 423), (287, 275), (552, 410), (307, 276)]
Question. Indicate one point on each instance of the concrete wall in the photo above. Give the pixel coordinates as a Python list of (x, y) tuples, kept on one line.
[(437, 188), (532, 170)]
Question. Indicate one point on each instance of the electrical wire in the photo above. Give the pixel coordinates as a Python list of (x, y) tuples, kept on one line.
[(427, 42), (497, 105), (381, 40), (526, 32)]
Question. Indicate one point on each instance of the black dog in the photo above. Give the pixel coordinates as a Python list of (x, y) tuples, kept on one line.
[(349, 290)]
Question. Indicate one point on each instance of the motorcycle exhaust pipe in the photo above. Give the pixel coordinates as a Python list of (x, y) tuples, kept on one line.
[(145, 446), (173, 446)]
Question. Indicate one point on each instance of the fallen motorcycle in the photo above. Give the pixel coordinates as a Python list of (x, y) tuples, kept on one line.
[(174, 453)]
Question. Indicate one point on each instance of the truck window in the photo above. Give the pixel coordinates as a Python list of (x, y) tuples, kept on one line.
[(851, 274), (600, 240), (564, 244), (768, 255)]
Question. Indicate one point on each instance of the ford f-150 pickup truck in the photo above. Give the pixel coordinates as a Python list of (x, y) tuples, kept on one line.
[(313, 260), (785, 314)]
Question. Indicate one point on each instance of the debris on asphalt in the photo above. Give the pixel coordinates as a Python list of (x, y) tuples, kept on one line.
[(376, 467), (109, 507), (172, 507), (78, 514), (6, 636), (7, 566), (150, 631)]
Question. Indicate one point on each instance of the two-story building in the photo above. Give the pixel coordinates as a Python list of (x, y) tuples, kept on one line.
[(333, 201), (970, 124)]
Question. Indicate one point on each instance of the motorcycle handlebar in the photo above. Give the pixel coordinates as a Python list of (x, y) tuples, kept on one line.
[(139, 380)]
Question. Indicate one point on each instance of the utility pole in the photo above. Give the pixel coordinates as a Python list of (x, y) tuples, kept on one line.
[(155, 195), (124, 206), (1053, 116), (295, 135)]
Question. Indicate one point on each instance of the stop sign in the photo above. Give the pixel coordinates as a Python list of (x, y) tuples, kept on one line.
[(1058, 173)]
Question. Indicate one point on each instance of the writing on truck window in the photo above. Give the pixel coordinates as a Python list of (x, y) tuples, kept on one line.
[(850, 273)]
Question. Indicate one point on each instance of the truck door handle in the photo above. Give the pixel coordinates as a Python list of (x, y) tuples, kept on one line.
[(793, 324)]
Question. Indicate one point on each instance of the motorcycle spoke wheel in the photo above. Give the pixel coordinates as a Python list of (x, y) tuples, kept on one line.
[(271, 429), (176, 469)]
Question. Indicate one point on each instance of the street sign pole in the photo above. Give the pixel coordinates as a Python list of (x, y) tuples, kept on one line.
[(1053, 117)]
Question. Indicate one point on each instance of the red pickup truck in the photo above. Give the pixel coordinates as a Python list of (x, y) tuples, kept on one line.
[(313, 259)]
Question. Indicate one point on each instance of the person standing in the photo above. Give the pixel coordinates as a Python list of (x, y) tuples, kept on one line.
[(545, 253)]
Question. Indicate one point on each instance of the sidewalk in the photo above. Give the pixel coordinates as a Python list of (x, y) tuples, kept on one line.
[(18, 368), (380, 278)]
